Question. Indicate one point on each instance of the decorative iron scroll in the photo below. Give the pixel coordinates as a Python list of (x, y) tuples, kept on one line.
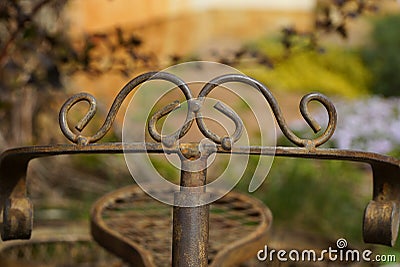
[(194, 112)]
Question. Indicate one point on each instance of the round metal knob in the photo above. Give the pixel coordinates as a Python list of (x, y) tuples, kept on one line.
[(17, 219), (381, 222)]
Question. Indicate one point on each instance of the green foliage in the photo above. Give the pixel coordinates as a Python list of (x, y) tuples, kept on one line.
[(323, 197), (165, 168), (335, 71), (382, 56)]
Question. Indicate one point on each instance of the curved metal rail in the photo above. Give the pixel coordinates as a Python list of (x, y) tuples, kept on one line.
[(380, 221)]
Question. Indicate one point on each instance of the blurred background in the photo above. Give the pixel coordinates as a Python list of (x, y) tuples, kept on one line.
[(345, 49)]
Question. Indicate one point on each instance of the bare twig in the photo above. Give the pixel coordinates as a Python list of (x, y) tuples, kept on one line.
[(20, 25)]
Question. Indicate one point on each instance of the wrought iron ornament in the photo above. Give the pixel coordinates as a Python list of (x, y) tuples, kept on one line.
[(194, 112)]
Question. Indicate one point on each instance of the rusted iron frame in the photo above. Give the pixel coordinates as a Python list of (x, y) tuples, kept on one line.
[(197, 233), (386, 182), (190, 239), (381, 218)]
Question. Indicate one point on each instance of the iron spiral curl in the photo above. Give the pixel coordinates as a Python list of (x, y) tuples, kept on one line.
[(302, 142), (84, 140)]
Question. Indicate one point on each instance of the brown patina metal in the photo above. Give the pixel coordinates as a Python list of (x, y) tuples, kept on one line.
[(190, 224), (381, 220)]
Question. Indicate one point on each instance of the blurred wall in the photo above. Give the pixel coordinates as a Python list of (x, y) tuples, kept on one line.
[(184, 26), (181, 27), (94, 15)]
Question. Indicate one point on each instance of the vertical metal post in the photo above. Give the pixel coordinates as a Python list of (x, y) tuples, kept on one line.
[(191, 224)]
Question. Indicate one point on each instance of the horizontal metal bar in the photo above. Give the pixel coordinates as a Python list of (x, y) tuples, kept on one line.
[(31, 152)]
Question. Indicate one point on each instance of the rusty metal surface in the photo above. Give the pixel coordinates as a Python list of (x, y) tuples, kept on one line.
[(381, 221), (139, 229), (266, 93), (84, 140), (191, 224), (380, 213), (194, 112)]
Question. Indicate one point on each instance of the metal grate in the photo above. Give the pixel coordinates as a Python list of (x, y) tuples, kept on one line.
[(132, 214)]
